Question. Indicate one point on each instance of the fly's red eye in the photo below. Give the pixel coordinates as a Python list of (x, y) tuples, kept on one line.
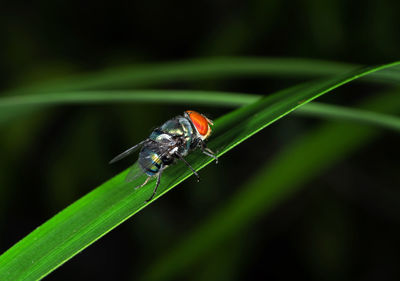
[(200, 122)]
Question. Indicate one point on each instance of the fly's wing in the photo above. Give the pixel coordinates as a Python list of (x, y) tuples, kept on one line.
[(127, 152), (138, 170), (134, 172)]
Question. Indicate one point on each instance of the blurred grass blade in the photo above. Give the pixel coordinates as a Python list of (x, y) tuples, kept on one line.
[(201, 69), (190, 97), (193, 70), (97, 213), (211, 98), (329, 111), (287, 172), (190, 70)]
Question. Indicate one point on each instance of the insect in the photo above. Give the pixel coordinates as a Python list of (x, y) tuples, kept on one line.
[(170, 142)]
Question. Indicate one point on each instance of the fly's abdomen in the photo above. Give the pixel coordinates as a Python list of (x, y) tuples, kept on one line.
[(150, 161)]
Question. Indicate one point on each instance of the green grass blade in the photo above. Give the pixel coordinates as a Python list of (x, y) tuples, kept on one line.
[(190, 97), (190, 70), (344, 113), (200, 69), (288, 171), (193, 70), (97, 213), (211, 98)]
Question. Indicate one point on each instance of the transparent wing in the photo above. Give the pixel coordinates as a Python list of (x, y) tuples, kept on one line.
[(134, 172), (127, 152)]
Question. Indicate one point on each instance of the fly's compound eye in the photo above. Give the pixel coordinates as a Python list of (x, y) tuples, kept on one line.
[(201, 123)]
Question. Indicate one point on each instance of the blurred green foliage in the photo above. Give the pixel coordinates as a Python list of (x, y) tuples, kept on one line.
[(344, 225)]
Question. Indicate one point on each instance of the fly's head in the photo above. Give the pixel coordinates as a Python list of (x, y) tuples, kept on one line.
[(200, 122)]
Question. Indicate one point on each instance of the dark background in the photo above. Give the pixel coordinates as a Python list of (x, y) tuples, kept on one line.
[(343, 225)]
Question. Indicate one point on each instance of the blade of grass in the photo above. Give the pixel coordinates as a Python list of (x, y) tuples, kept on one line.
[(329, 111), (190, 97), (284, 175), (192, 70), (97, 213), (200, 69), (212, 98)]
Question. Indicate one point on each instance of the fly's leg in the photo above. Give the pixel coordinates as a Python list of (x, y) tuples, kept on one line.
[(157, 184), (187, 164), (143, 184), (208, 151)]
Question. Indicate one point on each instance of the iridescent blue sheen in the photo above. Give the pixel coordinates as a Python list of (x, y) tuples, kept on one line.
[(150, 159)]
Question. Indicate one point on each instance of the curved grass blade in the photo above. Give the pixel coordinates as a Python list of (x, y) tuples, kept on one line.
[(98, 212), (200, 69), (190, 97), (211, 98), (329, 111), (192, 70), (281, 177)]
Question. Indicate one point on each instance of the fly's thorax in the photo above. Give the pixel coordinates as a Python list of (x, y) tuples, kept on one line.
[(180, 127), (161, 137), (172, 127)]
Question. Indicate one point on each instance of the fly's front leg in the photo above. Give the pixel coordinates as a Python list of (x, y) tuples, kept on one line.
[(187, 164), (208, 151)]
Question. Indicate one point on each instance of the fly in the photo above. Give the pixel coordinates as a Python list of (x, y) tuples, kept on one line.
[(172, 141)]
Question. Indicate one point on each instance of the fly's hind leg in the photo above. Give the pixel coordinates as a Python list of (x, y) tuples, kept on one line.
[(157, 184), (208, 151), (143, 184)]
